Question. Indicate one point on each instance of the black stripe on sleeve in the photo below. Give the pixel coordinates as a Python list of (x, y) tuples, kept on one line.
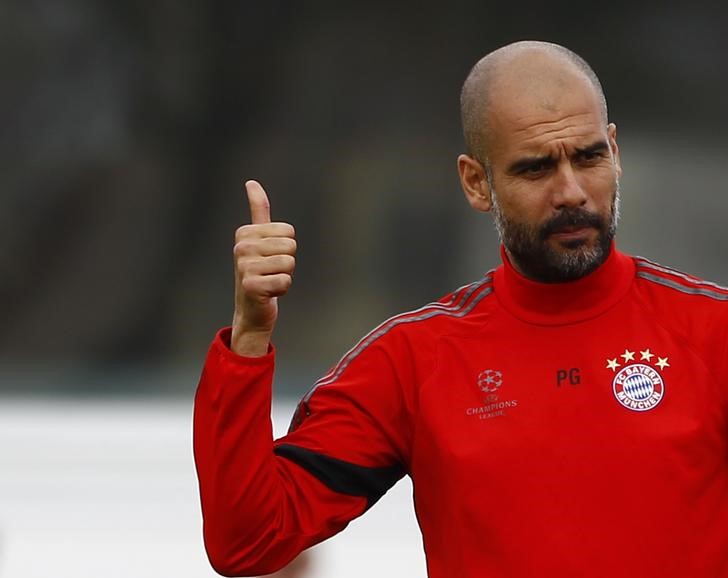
[(344, 477)]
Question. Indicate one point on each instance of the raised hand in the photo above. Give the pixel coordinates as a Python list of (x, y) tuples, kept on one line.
[(264, 257)]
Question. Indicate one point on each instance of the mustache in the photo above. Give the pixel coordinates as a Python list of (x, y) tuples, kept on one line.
[(571, 219)]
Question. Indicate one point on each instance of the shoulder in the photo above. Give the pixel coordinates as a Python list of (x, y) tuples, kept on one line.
[(685, 303), (670, 284), (413, 334), (452, 310)]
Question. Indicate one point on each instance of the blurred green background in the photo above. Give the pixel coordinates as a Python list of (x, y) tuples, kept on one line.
[(129, 128)]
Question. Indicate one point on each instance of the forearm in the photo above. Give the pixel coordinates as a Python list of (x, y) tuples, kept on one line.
[(259, 510), (233, 450)]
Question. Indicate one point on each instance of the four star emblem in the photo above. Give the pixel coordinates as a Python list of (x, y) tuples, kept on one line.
[(645, 355)]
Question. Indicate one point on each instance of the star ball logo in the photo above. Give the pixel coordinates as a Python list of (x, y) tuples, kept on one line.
[(638, 386), (489, 382)]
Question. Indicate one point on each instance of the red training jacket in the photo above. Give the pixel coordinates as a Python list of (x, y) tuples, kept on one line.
[(570, 430)]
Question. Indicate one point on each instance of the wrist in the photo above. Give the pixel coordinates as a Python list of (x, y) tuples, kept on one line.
[(249, 343)]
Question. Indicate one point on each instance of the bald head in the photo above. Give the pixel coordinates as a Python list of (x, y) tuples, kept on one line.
[(536, 71)]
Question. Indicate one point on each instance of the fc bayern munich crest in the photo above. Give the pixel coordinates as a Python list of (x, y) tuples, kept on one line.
[(638, 386)]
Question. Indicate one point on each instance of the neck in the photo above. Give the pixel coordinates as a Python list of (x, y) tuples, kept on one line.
[(558, 268), (557, 303)]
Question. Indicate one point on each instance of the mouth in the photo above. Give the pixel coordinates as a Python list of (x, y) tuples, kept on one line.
[(572, 233), (573, 229)]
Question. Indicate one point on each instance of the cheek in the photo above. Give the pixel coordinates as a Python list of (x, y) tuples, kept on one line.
[(600, 185), (525, 202)]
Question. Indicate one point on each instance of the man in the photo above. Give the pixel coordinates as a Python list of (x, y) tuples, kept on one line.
[(563, 416)]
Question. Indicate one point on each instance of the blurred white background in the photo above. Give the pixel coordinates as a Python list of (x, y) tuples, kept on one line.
[(129, 128), (92, 488)]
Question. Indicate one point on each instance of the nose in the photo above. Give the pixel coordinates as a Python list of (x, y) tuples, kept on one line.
[(568, 192)]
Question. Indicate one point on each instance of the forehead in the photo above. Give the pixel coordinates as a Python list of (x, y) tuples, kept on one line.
[(533, 113)]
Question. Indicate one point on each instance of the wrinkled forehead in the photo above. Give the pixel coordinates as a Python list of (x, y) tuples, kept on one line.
[(531, 107)]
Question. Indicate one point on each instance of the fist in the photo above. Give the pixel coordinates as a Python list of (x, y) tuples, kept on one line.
[(264, 259)]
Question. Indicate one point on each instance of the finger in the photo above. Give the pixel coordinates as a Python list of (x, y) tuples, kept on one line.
[(265, 231), (276, 246), (268, 265), (268, 285), (258, 201)]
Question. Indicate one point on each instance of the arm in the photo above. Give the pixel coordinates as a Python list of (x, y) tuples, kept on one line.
[(264, 502), (259, 510)]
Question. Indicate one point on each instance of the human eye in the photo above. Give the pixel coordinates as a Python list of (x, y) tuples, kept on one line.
[(535, 169), (532, 167), (590, 156)]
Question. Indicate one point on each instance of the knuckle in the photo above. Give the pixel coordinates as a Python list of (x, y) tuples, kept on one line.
[(241, 259), (252, 265), (288, 262), (246, 247), (249, 284), (247, 266), (247, 232), (278, 263), (283, 282), (241, 232)]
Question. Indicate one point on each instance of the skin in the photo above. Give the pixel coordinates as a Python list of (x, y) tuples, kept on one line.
[(551, 155), (264, 259)]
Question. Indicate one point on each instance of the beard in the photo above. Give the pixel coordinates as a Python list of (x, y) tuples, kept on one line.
[(529, 248)]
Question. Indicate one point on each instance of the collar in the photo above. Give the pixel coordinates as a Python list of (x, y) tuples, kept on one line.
[(563, 303)]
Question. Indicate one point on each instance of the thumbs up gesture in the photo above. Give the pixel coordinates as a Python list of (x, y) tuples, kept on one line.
[(264, 261)]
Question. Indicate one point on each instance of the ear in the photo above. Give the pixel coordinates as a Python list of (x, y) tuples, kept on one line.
[(475, 185), (612, 134)]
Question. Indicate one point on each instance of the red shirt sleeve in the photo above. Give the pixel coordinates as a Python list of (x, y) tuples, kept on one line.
[(263, 502)]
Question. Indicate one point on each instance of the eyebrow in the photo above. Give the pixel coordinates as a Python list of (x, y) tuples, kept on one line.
[(521, 165), (598, 147), (524, 163)]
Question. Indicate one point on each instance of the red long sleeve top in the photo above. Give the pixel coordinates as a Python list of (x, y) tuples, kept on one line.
[(570, 430)]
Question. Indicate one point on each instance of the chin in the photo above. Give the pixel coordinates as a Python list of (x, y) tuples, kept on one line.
[(578, 261), (575, 244)]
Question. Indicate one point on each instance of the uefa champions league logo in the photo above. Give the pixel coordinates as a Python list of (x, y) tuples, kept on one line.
[(490, 380)]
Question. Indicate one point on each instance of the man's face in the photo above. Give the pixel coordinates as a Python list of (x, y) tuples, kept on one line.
[(528, 247), (554, 181)]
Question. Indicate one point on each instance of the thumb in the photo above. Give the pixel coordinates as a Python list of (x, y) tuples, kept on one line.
[(259, 203)]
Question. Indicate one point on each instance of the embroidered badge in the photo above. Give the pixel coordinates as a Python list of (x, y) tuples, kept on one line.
[(638, 386), (489, 382)]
